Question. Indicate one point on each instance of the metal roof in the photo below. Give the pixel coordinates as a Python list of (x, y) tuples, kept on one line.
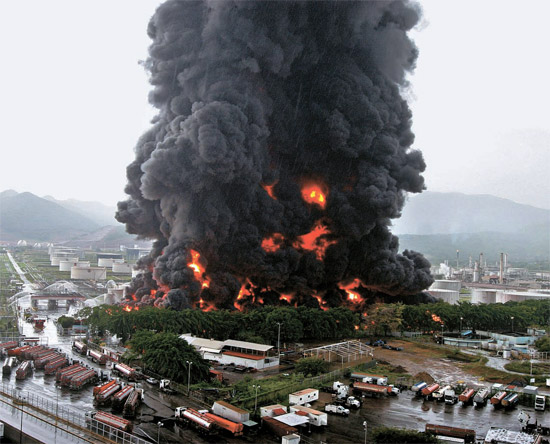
[(292, 419), (247, 345)]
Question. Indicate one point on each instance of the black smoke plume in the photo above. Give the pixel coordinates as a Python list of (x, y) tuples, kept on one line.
[(256, 100)]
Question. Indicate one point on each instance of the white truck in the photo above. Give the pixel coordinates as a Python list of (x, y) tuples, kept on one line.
[(165, 386), (540, 402), (450, 397), (337, 409), (353, 402), (340, 389)]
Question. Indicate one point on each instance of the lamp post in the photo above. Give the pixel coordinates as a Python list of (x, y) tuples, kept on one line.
[(365, 427), (442, 325), (189, 364), (279, 340), (159, 424), (512, 318), (256, 387), (461, 318)]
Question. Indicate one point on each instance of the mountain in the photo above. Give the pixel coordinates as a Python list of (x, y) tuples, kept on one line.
[(451, 213), (96, 211), (29, 217)]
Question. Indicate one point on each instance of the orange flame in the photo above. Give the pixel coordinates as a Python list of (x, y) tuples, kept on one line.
[(269, 190), (286, 297), (272, 243), (134, 297), (322, 304), (243, 293), (436, 318), (315, 194), (198, 269), (314, 240), (353, 296)]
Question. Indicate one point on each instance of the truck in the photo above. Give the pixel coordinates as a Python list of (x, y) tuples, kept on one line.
[(364, 389), (9, 363), (532, 426), (417, 388), (353, 402), (481, 396), (429, 390), (510, 401), (125, 371), (8, 345), (165, 385), (233, 428), (97, 357), (82, 379), (196, 420), (468, 435), (66, 378), (132, 403), (62, 371), (369, 378), (497, 399), (24, 370), (120, 397), (51, 367), (467, 396), (450, 397), (340, 389), (80, 347), (18, 350), (28, 353), (41, 363), (278, 428), (104, 396), (107, 419), (337, 409), (439, 394), (540, 402)]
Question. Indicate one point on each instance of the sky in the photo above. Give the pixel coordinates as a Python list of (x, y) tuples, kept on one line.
[(74, 96)]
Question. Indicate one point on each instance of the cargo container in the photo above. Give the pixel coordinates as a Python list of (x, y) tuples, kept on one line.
[(228, 411), (97, 357), (467, 396), (9, 364), (82, 379), (273, 410), (24, 370), (196, 420), (233, 428), (109, 420), (497, 399), (132, 403), (120, 397), (279, 428), (53, 366), (481, 397), (468, 435), (315, 417), (303, 396), (369, 378), (80, 347)]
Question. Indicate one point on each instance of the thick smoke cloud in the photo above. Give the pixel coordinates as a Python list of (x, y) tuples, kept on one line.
[(281, 94)]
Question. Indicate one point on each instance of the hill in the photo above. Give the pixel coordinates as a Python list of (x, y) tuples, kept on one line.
[(452, 213), (99, 213)]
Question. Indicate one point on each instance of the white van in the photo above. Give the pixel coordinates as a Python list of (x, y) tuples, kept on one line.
[(540, 402)]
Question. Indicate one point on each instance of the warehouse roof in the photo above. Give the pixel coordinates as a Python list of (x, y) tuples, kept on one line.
[(292, 419), (247, 345)]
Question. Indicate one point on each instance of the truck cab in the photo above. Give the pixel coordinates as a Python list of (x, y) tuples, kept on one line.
[(540, 402)]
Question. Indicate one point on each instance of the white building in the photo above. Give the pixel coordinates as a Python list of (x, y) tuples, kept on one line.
[(247, 354)]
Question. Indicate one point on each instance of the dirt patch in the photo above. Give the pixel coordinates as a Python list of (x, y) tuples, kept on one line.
[(423, 376)]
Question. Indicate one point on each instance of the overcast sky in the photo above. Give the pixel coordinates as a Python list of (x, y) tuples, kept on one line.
[(74, 97)]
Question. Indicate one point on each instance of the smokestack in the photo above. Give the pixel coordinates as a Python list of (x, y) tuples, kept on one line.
[(476, 272), (281, 152), (501, 274)]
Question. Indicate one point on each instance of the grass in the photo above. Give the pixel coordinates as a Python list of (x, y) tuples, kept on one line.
[(489, 374), (525, 367)]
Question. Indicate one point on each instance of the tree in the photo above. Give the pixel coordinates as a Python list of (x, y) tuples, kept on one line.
[(311, 366), (543, 344)]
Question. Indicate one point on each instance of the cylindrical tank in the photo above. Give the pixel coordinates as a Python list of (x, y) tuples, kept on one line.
[(108, 261), (57, 259), (492, 346), (449, 296), (66, 265), (92, 273), (122, 267), (484, 296), (506, 354), (442, 284)]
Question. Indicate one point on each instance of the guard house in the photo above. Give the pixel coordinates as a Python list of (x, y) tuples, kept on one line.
[(246, 354)]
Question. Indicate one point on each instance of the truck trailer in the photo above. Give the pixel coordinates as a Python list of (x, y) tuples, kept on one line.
[(428, 391), (496, 400), (467, 396), (108, 419), (105, 395), (97, 357), (82, 379), (125, 371), (80, 347), (233, 428), (510, 401), (120, 397), (468, 435), (51, 367), (196, 420), (132, 403), (24, 370), (59, 374), (481, 397)]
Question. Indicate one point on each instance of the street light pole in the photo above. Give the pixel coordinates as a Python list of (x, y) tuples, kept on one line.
[(365, 427), (461, 324), (159, 425), (512, 318), (189, 364), (256, 387), (279, 340)]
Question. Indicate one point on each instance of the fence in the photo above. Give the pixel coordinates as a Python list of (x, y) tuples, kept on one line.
[(52, 414)]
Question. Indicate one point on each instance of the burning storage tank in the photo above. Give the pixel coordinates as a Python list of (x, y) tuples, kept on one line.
[(449, 296), (279, 155)]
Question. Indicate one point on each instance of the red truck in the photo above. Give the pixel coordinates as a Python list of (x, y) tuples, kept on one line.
[(120, 397), (497, 399), (67, 376), (18, 350), (467, 396), (80, 347), (8, 345), (107, 419), (97, 357), (104, 396), (234, 428), (61, 372), (428, 391), (82, 379), (30, 352), (24, 370), (125, 370), (196, 420), (43, 360), (53, 366)]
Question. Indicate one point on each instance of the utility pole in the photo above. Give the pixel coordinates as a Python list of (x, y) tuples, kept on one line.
[(279, 340), (189, 364)]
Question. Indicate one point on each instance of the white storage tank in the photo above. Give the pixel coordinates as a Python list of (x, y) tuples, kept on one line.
[(66, 265), (91, 273), (484, 296), (108, 261), (449, 296), (443, 284), (506, 354), (57, 259), (122, 267)]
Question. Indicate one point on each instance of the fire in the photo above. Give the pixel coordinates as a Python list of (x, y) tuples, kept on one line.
[(246, 290), (272, 243), (129, 308), (315, 194), (198, 269), (286, 297), (322, 304), (356, 327), (153, 293), (269, 190), (350, 289), (314, 240), (134, 297), (436, 318)]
